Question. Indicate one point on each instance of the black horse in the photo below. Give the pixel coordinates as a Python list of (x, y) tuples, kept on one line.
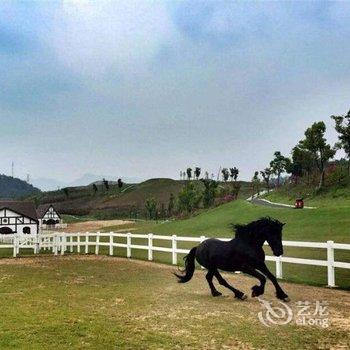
[(243, 253)]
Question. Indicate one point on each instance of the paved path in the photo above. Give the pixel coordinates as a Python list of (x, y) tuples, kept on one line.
[(259, 201)]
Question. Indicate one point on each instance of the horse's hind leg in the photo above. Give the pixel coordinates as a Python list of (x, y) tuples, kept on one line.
[(223, 282), (209, 277)]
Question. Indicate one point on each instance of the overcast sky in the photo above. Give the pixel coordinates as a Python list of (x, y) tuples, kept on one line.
[(147, 88)]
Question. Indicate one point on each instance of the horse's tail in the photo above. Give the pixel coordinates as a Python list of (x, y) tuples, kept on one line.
[(189, 267)]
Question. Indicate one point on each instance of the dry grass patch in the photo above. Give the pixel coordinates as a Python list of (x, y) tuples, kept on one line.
[(98, 302)]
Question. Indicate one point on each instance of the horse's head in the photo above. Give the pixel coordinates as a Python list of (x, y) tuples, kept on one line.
[(273, 235), (259, 231)]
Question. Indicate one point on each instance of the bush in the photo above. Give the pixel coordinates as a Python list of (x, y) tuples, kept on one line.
[(189, 198)]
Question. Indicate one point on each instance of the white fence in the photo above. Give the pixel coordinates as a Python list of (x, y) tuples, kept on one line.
[(59, 243)]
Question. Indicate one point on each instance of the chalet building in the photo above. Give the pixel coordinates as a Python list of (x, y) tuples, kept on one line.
[(48, 215), (18, 217)]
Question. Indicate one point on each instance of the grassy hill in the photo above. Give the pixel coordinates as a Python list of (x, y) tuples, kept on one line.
[(11, 187), (128, 201)]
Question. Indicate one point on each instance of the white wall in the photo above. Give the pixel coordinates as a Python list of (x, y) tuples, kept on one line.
[(17, 222)]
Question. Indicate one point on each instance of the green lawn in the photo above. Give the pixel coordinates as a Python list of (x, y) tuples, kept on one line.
[(321, 224), (78, 302)]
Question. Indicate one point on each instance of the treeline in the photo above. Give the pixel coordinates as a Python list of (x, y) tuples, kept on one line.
[(197, 193), (311, 159)]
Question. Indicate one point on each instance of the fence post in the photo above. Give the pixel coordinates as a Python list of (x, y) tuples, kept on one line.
[(128, 245), (87, 243), (174, 249), (279, 271), (330, 264), (97, 243), (55, 244), (150, 246), (111, 242), (78, 242), (71, 243), (36, 244), (14, 245), (62, 239)]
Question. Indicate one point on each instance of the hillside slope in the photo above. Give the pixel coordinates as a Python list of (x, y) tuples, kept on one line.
[(11, 187), (116, 202), (321, 224)]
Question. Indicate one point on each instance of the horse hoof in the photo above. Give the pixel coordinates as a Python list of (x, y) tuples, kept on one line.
[(216, 294), (286, 300), (243, 297)]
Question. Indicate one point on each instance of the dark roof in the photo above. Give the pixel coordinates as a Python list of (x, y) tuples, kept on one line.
[(24, 208), (43, 208)]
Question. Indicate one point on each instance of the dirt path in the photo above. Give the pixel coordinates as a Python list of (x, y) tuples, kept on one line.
[(92, 226)]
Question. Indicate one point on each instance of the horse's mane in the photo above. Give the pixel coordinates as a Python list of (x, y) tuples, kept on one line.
[(253, 228)]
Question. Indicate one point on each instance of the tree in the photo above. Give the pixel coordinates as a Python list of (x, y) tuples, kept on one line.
[(151, 207), (106, 184), (197, 172), (236, 186), (279, 165), (171, 204), (210, 188), (189, 198), (266, 174), (180, 174), (225, 174), (256, 183), (189, 173), (302, 162), (120, 183), (342, 126), (206, 175), (317, 145), (94, 187), (234, 173)]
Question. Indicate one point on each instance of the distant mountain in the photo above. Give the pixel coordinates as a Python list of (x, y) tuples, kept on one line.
[(11, 187), (47, 184)]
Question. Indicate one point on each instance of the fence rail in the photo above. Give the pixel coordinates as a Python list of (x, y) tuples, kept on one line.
[(59, 243)]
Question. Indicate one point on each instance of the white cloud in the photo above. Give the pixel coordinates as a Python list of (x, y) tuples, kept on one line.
[(94, 38)]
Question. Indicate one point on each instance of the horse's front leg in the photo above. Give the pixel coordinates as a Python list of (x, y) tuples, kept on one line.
[(280, 294), (256, 290)]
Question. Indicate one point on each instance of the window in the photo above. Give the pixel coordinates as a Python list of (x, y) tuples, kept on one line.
[(5, 230), (26, 230)]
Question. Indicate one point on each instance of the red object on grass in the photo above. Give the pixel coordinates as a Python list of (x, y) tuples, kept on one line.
[(299, 203)]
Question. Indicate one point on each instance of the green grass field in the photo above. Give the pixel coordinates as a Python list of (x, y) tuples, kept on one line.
[(319, 225), (88, 302)]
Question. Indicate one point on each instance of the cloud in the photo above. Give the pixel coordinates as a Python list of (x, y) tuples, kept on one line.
[(115, 37), (156, 86)]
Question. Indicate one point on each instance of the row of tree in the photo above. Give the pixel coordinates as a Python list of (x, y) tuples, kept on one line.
[(195, 173), (311, 155)]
